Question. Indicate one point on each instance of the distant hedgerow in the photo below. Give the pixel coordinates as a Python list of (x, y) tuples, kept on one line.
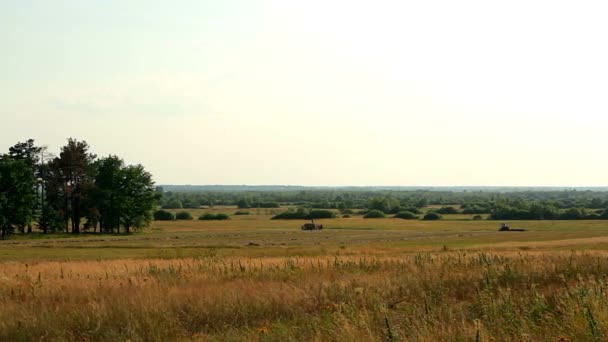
[(303, 214), (183, 215), (374, 214), (209, 217), (431, 216), (406, 215), (163, 215)]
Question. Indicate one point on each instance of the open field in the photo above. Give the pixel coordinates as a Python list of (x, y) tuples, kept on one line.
[(252, 278)]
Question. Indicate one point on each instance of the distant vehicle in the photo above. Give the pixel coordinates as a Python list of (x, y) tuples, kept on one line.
[(505, 228), (312, 226)]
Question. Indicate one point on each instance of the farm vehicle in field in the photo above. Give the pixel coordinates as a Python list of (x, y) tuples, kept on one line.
[(505, 228), (312, 226)]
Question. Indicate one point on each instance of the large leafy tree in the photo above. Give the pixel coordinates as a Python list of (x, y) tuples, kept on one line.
[(106, 194), (56, 211), (17, 197), (138, 196), (29, 153), (75, 164), (73, 186)]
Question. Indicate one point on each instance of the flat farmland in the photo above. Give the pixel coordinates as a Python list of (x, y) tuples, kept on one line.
[(251, 278), (258, 235)]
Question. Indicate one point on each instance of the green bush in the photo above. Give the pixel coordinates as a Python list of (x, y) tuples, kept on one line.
[(374, 214), (447, 210), (431, 216), (346, 216), (209, 217), (604, 214), (241, 212), (183, 215), (321, 214), (163, 215), (477, 217), (572, 214), (413, 210), (303, 214), (406, 215)]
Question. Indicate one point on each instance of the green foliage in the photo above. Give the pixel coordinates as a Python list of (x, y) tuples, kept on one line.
[(209, 216), (413, 210), (321, 214), (525, 211), (387, 204), (432, 216), (374, 214), (304, 214), (17, 195), (183, 215), (163, 215), (173, 203), (447, 210), (241, 212), (573, 214), (406, 215)]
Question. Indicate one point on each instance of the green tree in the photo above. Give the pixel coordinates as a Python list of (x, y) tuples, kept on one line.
[(75, 163), (106, 192), (138, 196), (17, 196), (29, 153)]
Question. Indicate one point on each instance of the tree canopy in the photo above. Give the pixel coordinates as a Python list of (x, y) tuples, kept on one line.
[(73, 192)]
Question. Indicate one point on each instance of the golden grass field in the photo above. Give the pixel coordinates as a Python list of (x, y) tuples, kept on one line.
[(255, 279)]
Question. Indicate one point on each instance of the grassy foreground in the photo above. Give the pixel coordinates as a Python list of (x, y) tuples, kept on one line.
[(252, 279), (451, 296)]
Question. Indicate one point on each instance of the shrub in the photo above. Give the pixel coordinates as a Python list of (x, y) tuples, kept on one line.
[(321, 214), (406, 215), (475, 209), (268, 205), (303, 214), (347, 211), (374, 214), (345, 216), (413, 210), (183, 215), (572, 214), (447, 210), (477, 217), (173, 203), (163, 215), (431, 216), (241, 212), (208, 217)]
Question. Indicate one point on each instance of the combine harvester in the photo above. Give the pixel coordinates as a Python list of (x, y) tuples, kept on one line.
[(505, 228)]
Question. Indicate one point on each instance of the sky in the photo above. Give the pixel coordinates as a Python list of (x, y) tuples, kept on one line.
[(419, 93)]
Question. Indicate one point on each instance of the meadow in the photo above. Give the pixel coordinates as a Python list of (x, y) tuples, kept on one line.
[(253, 278)]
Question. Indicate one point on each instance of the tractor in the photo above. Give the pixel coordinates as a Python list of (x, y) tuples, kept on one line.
[(312, 226), (505, 228)]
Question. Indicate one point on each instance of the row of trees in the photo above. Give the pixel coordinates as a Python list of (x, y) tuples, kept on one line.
[(72, 192)]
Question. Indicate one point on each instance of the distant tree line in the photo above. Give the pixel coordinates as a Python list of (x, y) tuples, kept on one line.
[(526, 205), (72, 192)]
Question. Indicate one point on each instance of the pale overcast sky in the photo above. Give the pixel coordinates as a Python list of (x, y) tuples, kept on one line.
[(315, 92)]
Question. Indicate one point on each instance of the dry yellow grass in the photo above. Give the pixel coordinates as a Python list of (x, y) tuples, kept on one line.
[(426, 297), (251, 278)]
